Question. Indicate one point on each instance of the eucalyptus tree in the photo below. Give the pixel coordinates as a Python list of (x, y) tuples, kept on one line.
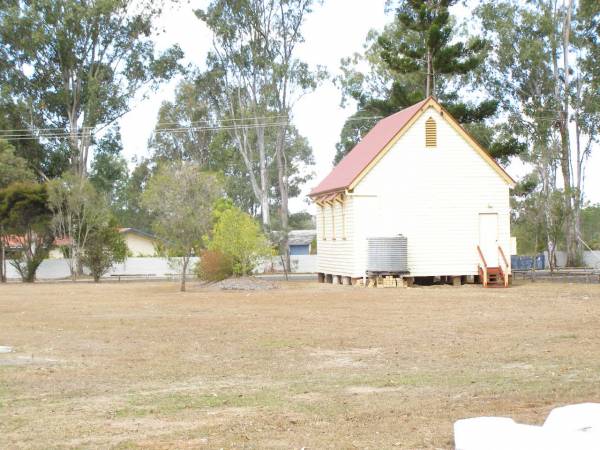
[(46, 159), (543, 67), (77, 64), (260, 79), (183, 131), (109, 173), (189, 129), (585, 97)]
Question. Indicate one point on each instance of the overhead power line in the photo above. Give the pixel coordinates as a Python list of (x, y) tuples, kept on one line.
[(54, 133), (64, 130)]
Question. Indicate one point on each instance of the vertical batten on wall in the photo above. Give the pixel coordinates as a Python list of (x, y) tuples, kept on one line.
[(332, 206), (343, 206)]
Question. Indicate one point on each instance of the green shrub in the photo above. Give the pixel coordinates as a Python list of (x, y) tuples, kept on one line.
[(104, 247), (239, 238)]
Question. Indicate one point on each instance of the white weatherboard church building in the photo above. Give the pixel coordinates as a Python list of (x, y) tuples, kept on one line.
[(417, 173)]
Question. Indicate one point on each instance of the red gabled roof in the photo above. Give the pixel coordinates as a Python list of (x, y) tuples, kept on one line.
[(366, 151)]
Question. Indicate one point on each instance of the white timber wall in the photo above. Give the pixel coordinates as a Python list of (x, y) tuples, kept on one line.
[(335, 238), (434, 197)]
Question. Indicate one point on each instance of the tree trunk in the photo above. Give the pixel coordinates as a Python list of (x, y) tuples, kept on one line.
[(571, 231), (548, 183), (563, 98), (74, 141), (186, 260), (581, 155), (578, 194), (283, 192), (261, 192), (264, 178), (79, 267), (73, 264), (3, 274), (29, 274)]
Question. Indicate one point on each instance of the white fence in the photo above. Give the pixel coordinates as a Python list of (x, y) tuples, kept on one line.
[(56, 269), (590, 259), (160, 267), (299, 264)]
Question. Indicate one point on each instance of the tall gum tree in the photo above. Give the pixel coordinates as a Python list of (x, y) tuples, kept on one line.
[(543, 66), (189, 129), (253, 57), (79, 64)]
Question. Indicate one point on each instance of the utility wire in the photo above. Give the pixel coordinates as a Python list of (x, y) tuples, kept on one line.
[(58, 129), (178, 130), (87, 132)]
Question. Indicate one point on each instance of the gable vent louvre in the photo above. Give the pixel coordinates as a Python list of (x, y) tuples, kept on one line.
[(430, 133)]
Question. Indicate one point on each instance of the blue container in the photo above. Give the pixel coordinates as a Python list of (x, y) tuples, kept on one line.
[(527, 262)]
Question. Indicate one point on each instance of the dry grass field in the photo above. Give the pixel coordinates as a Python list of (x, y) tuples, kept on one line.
[(140, 365)]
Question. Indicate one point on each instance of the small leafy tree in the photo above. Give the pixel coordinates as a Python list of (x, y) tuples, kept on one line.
[(238, 236), (24, 213), (104, 247), (12, 169), (181, 198), (78, 210)]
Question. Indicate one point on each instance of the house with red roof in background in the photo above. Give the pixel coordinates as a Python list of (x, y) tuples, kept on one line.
[(417, 199), (139, 243)]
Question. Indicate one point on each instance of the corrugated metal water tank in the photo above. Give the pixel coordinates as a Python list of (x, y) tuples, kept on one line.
[(387, 254)]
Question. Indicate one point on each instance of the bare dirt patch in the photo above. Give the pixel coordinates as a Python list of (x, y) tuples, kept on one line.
[(242, 284), (354, 357), (140, 365)]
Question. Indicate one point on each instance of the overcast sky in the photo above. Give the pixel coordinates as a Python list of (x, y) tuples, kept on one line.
[(334, 30)]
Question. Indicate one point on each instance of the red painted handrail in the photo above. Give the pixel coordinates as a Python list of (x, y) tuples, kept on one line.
[(503, 256), (504, 274), (481, 256), (484, 268)]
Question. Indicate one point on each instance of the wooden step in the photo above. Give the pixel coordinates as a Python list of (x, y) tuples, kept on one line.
[(495, 277)]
